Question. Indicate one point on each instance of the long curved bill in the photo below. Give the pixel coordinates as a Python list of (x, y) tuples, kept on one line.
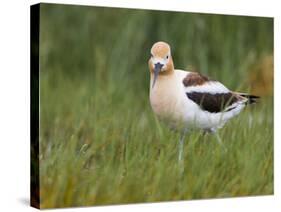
[(157, 69)]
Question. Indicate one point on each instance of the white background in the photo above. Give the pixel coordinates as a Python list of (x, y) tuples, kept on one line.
[(14, 103)]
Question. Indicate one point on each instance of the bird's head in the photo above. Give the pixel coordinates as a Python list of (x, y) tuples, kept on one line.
[(160, 62)]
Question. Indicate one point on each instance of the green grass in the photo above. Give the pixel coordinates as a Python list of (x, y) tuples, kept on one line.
[(99, 140)]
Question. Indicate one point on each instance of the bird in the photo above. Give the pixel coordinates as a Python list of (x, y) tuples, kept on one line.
[(187, 100)]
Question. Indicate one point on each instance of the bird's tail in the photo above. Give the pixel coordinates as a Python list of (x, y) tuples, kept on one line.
[(251, 98)]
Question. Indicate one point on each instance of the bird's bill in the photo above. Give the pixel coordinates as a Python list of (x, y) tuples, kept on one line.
[(157, 69)]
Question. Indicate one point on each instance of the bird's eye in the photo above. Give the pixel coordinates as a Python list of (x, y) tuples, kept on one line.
[(167, 57)]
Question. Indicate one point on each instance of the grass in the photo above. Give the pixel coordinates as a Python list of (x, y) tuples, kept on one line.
[(99, 140)]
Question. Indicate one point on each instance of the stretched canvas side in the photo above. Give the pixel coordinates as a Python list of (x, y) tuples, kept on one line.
[(34, 105)]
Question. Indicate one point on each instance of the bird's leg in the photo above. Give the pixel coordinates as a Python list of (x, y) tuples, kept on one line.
[(181, 154), (181, 162), (218, 138), (181, 147)]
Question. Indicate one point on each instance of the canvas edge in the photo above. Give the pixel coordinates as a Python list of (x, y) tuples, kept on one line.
[(34, 105)]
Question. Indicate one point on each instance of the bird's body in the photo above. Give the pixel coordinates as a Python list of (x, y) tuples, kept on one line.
[(188, 100), (178, 104)]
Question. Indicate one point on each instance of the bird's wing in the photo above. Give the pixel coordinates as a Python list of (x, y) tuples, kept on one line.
[(210, 95)]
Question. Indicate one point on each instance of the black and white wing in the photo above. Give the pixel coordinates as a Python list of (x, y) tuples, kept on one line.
[(209, 95)]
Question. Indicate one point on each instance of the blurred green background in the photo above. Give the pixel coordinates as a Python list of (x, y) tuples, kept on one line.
[(99, 140)]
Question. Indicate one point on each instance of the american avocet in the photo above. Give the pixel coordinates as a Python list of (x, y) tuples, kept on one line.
[(189, 100)]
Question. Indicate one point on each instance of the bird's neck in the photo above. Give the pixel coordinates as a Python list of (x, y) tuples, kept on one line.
[(163, 79), (167, 72)]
